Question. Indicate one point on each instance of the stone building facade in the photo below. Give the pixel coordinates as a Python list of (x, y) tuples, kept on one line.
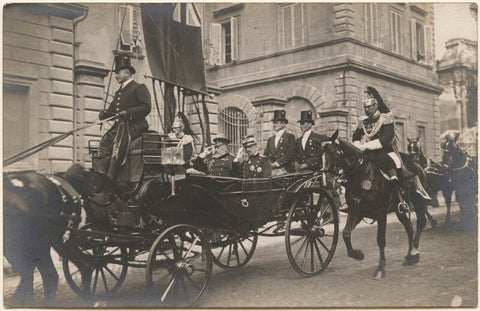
[(260, 57), (321, 56)]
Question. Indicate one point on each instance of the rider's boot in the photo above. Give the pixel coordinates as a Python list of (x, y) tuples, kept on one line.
[(399, 183), (100, 165)]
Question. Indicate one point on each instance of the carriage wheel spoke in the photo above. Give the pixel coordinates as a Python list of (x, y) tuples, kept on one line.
[(301, 247), (229, 254), (312, 264), (192, 281), (104, 279), (111, 273), (243, 247), (95, 280), (221, 253), (323, 244), (318, 253), (235, 250), (113, 251), (169, 287), (191, 247), (305, 254), (184, 288)]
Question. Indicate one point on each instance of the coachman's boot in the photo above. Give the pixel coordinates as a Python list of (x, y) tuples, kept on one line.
[(399, 183), (100, 165), (113, 168)]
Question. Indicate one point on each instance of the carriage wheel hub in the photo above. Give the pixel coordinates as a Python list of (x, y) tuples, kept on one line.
[(185, 267)]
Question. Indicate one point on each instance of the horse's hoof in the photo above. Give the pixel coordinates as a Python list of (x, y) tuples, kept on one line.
[(356, 254), (379, 274), (434, 224), (411, 259)]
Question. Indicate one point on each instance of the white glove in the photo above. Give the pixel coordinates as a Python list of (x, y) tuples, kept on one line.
[(359, 145), (240, 154), (373, 145)]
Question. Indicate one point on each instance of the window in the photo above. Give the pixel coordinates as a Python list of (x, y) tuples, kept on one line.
[(233, 124), (224, 42), (291, 26), (422, 137), (371, 26), (396, 31), (400, 135), (421, 39)]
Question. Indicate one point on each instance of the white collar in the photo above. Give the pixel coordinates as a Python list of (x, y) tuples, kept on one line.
[(280, 133), (307, 133), (124, 84)]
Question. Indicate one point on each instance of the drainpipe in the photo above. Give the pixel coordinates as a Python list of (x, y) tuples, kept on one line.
[(74, 91)]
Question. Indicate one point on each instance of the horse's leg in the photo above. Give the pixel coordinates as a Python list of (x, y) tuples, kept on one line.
[(49, 276), (412, 255), (381, 242), (421, 208), (352, 222), (447, 195), (432, 220), (24, 296)]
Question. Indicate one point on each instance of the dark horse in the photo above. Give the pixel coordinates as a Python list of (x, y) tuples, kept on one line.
[(36, 216), (375, 203), (437, 176), (462, 170)]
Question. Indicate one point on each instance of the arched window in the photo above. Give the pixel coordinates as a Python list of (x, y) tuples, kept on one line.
[(233, 124)]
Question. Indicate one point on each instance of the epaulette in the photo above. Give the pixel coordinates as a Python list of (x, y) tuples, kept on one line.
[(363, 118), (387, 118)]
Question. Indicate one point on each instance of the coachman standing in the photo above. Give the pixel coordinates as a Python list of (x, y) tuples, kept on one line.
[(131, 104)]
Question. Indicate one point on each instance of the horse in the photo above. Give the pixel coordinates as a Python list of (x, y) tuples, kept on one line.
[(376, 203), (38, 211), (462, 170), (437, 177)]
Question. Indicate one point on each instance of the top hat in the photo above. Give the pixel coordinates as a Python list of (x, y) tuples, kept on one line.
[(279, 115), (306, 116), (221, 140), (248, 141), (373, 93), (123, 62)]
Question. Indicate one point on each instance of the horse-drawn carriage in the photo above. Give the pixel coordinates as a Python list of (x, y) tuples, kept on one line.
[(176, 226)]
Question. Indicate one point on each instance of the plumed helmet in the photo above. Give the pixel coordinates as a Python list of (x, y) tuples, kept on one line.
[(373, 93)]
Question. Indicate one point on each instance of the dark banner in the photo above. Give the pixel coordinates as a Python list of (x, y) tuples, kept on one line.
[(173, 41)]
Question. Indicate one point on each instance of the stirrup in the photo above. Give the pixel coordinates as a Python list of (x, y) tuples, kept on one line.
[(403, 207)]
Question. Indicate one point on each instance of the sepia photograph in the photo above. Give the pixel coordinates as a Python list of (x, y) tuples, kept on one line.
[(233, 155)]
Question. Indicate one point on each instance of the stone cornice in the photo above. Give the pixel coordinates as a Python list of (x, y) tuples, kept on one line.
[(91, 68), (333, 111), (269, 100)]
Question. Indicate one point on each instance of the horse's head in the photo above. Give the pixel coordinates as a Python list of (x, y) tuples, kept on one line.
[(414, 148), (453, 156), (340, 153)]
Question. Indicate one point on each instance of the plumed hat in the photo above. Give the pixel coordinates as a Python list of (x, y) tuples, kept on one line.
[(373, 93)]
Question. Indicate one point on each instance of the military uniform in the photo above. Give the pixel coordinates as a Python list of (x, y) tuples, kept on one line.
[(256, 166), (220, 166), (379, 127)]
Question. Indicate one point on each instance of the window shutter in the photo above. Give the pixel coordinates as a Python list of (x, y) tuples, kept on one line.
[(428, 45), (126, 28), (413, 33), (235, 37), (215, 49)]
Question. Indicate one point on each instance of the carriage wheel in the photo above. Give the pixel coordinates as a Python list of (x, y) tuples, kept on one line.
[(231, 251), (312, 231), (102, 272), (179, 266)]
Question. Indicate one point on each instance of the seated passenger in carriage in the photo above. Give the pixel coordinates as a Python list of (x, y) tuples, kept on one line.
[(216, 160), (131, 104), (255, 165), (308, 146), (181, 130)]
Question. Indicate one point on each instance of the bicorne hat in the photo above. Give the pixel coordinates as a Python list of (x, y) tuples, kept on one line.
[(221, 140), (279, 115), (306, 116), (248, 141), (373, 93), (123, 62)]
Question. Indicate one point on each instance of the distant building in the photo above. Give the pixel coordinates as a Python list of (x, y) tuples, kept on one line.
[(321, 56)]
